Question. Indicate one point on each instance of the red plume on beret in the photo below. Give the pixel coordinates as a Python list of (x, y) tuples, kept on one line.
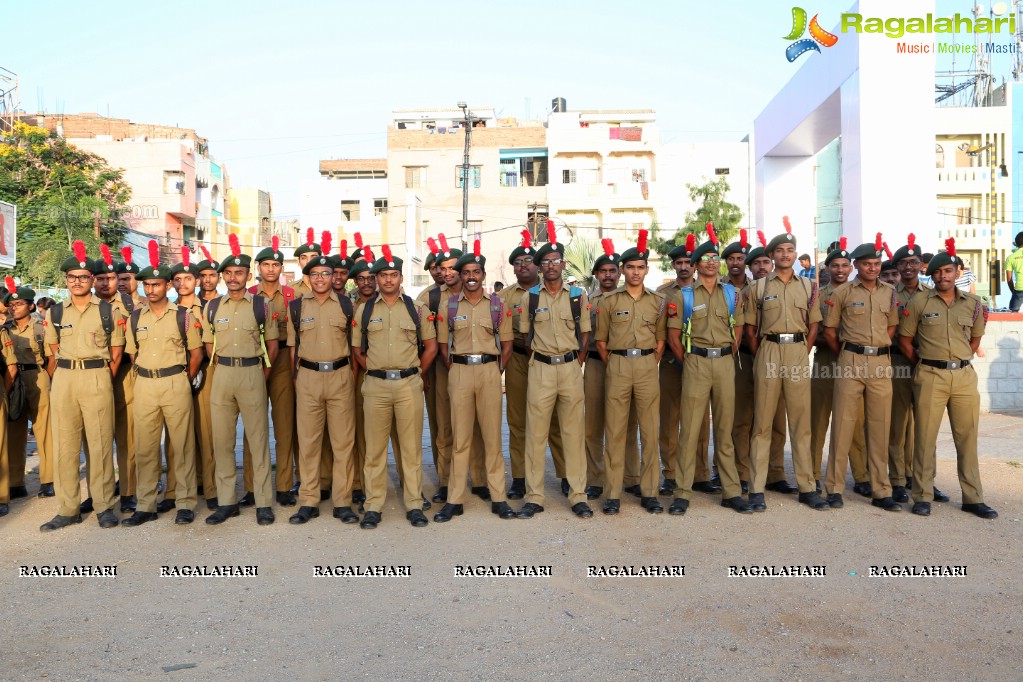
[(788, 225), (275, 243), (690, 242), (104, 251), (609, 247), (310, 237), (887, 251), (325, 242), (367, 254), (358, 240), (78, 248), (950, 246), (432, 243), (9, 281), (526, 239), (186, 254), (476, 248), (878, 241), (551, 232), (126, 254), (443, 243), (641, 244), (843, 243), (236, 248), (154, 253), (388, 257), (343, 249), (911, 242), (761, 238), (743, 239), (206, 252), (711, 234)]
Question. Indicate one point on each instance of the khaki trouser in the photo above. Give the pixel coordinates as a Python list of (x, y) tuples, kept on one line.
[(631, 384), (863, 391), (742, 424), (670, 408), (82, 403), (124, 427), (900, 435), (324, 405), (780, 371), (709, 381), (5, 483), (240, 391), (593, 396), (516, 379), (280, 390), (158, 402), (555, 388), (476, 410), (204, 436), (936, 391), (442, 416), (822, 392), (388, 402), (37, 394)]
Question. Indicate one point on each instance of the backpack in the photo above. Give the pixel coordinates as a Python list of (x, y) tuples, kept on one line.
[(367, 312), (295, 311), (760, 288), (128, 304), (17, 398), (688, 301), (575, 303), (496, 313), (106, 316), (259, 308), (182, 316)]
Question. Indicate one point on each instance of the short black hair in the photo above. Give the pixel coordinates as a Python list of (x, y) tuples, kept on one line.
[(926, 258), (805, 256), (1019, 239)]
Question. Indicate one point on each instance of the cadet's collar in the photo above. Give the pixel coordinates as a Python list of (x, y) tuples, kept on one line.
[(332, 295), (960, 294)]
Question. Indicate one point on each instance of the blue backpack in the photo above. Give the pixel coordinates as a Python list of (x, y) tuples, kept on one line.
[(688, 300)]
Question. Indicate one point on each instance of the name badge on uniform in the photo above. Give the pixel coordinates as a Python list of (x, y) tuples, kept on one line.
[(459, 318), (223, 320), (307, 319), (64, 326), (699, 307), (856, 304), (770, 298), (143, 329), (928, 316), (621, 313), (541, 310), (376, 319)]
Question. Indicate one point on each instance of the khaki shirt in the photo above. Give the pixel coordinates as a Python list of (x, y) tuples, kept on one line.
[(301, 288), (595, 300), (861, 315), (324, 330), (902, 294), (157, 342), (392, 334), (474, 327), (278, 310), (783, 309), (28, 345), (7, 349), (943, 332), (710, 327), (512, 297), (554, 332), (197, 316), (235, 328), (624, 322), (423, 299), (82, 336)]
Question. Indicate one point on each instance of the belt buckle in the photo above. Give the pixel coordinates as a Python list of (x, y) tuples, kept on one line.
[(78, 364), (713, 352), (392, 374), (633, 352), (236, 362), (557, 359), (953, 364), (786, 338), (870, 350), (476, 359), (325, 366)]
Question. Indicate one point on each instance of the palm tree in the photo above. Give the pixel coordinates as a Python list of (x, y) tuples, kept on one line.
[(580, 255)]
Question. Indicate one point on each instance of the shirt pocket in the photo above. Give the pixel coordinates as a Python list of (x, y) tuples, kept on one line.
[(932, 321), (409, 330), (966, 321), (770, 305), (307, 325), (460, 324), (854, 310), (375, 326)]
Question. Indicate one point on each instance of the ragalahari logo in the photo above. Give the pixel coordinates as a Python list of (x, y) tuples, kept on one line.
[(817, 35)]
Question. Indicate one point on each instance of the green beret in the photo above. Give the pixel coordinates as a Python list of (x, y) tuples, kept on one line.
[(836, 253), (318, 262), (207, 265), (448, 255), (520, 251), (887, 265), (20, 294), (682, 251), (546, 249), (468, 258), (907, 251), (704, 249), (159, 272), (380, 264), (129, 268), (305, 248), (940, 260), (359, 267), (100, 267), (72, 263), (339, 263), (190, 269), (605, 259), (633, 253), (240, 261), (735, 247), (755, 253), (866, 251), (783, 238), (269, 254), (428, 262)]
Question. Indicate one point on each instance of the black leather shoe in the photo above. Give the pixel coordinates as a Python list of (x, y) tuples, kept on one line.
[(863, 488), (745, 486), (294, 488), (264, 516), (679, 506), (345, 515), (85, 507), (921, 508), (117, 487), (652, 505), (819, 488), (582, 510), (980, 509), (441, 495), (325, 494), (128, 503), (528, 510), (594, 492), (370, 520), (612, 507), (518, 489), (46, 490), (481, 491), (426, 503), (668, 487), (715, 479), (17, 491), (782, 487), (248, 500), (447, 511), (358, 497), (940, 496), (303, 515), (138, 518), (502, 509), (900, 494), (184, 517), (416, 517), (887, 503), (814, 501), (285, 499), (164, 506), (707, 487), (107, 519), (58, 522), (565, 488), (757, 503), (211, 503), (909, 482), (4, 508), (835, 501), (223, 514), (633, 490), (737, 504)]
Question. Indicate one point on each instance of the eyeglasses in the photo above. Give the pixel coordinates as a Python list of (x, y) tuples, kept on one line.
[(519, 262), (321, 275), (710, 259), (78, 278), (364, 279), (553, 261)]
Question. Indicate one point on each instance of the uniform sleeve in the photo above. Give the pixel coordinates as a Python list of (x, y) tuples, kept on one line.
[(584, 314), (911, 316), (981, 322), (504, 330), (893, 312), (661, 330), (50, 332), (834, 306), (603, 317), (207, 327), (740, 308), (673, 311), (291, 332), (130, 345), (442, 331), (356, 329), (814, 313), (524, 315), (8, 348), (428, 330), (120, 322), (272, 332), (193, 333)]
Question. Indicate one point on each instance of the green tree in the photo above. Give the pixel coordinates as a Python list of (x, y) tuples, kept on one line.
[(61, 192), (712, 206), (580, 255)]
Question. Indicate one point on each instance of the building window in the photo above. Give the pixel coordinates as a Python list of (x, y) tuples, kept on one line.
[(568, 176), (173, 182), (527, 171), (350, 210), (415, 177), (964, 215), (474, 176), (721, 171), (639, 174), (379, 207), (939, 156)]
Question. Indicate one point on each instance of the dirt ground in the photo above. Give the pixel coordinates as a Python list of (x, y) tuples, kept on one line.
[(287, 624)]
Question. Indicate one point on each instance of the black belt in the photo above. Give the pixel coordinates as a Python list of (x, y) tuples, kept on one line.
[(594, 355), (722, 352), (24, 367), (946, 364), (556, 359), (521, 350), (238, 362), (745, 349), (786, 338), (867, 350), (633, 352), (473, 359), (393, 374), (323, 366), (81, 364), (159, 373)]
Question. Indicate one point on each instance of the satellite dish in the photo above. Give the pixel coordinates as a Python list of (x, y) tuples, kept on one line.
[(999, 8)]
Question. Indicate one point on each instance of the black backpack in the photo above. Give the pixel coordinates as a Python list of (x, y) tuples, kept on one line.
[(295, 311), (410, 306), (259, 307), (106, 316)]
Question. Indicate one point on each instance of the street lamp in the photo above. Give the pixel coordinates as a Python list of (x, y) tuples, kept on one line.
[(467, 118), (995, 265)]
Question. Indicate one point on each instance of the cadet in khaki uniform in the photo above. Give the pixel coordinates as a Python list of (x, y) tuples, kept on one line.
[(209, 278), (555, 381), (10, 372), (430, 393), (474, 351), (365, 289), (822, 386), (781, 318), (165, 364), (233, 342), (304, 253), (517, 372), (862, 317), (29, 349), (83, 363), (386, 347), (946, 325), (127, 284), (325, 392), (630, 339), (704, 343)]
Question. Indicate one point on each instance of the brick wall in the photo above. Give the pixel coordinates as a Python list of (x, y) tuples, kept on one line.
[(1000, 371), (481, 137)]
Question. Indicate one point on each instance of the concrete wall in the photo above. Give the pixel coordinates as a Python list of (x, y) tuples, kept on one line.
[(1000, 371)]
